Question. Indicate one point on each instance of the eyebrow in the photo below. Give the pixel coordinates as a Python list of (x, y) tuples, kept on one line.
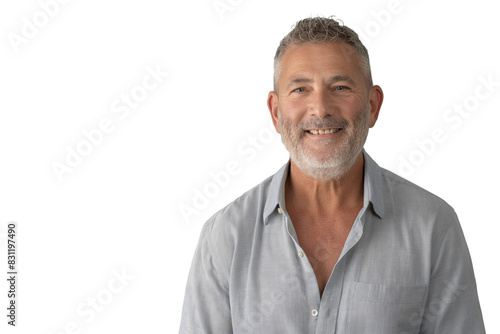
[(334, 79), (344, 77)]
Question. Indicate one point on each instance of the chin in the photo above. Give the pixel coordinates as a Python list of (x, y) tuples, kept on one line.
[(327, 167), (323, 170), (324, 173)]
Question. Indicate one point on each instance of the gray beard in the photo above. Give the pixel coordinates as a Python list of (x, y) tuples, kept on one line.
[(335, 164)]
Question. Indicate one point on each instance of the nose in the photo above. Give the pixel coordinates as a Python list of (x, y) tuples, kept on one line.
[(321, 104)]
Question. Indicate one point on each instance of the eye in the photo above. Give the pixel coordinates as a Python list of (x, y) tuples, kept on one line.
[(340, 88), (298, 90)]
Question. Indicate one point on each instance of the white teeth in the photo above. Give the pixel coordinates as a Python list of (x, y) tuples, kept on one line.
[(323, 131)]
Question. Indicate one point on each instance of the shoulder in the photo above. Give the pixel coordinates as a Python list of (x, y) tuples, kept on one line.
[(410, 202), (238, 219), (404, 192), (244, 208), (413, 210)]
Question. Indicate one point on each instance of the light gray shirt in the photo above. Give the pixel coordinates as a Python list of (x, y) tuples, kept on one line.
[(405, 268)]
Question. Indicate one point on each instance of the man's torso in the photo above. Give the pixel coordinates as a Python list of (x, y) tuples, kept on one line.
[(322, 237)]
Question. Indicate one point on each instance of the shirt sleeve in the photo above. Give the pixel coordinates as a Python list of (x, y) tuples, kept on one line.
[(452, 304), (206, 307)]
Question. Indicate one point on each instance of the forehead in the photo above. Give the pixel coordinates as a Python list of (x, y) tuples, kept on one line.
[(312, 58)]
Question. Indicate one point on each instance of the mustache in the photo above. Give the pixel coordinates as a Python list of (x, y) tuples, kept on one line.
[(328, 122)]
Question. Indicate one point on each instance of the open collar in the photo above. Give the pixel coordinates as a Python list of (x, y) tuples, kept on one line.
[(373, 188)]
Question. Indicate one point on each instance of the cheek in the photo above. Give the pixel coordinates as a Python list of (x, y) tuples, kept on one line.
[(293, 111), (351, 109), (290, 128)]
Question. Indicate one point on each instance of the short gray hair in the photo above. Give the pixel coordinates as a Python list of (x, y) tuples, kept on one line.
[(321, 30)]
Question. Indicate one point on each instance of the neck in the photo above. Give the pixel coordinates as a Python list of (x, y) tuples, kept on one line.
[(326, 195)]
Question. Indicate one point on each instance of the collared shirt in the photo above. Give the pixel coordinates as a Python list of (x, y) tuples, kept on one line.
[(405, 268)]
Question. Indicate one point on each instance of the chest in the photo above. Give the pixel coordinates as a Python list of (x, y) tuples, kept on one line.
[(322, 239), (278, 293)]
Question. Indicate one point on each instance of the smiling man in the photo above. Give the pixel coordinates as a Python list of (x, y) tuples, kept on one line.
[(331, 243)]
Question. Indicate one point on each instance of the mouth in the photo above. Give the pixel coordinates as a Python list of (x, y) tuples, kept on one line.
[(324, 131)]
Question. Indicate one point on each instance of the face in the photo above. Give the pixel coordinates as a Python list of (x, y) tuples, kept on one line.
[(324, 108)]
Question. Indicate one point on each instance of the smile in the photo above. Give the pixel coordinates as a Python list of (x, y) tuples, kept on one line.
[(323, 131)]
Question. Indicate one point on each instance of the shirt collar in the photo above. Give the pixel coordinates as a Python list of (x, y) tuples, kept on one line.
[(373, 185), (276, 192), (373, 188)]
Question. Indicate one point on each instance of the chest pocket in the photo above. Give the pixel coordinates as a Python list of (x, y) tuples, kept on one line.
[(385, 309)]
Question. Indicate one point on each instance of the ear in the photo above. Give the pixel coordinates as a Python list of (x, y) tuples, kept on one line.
[(272, 105), (376, 99)]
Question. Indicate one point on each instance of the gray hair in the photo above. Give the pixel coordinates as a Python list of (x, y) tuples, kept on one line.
[(321, 30)]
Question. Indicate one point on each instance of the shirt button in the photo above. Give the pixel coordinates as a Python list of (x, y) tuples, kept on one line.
[(280, 211), (300, 254), (314, 313)]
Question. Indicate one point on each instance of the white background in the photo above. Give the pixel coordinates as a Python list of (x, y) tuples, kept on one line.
[(119, 209)]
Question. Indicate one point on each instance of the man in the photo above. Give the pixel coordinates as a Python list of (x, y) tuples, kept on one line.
[(332, 243)]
